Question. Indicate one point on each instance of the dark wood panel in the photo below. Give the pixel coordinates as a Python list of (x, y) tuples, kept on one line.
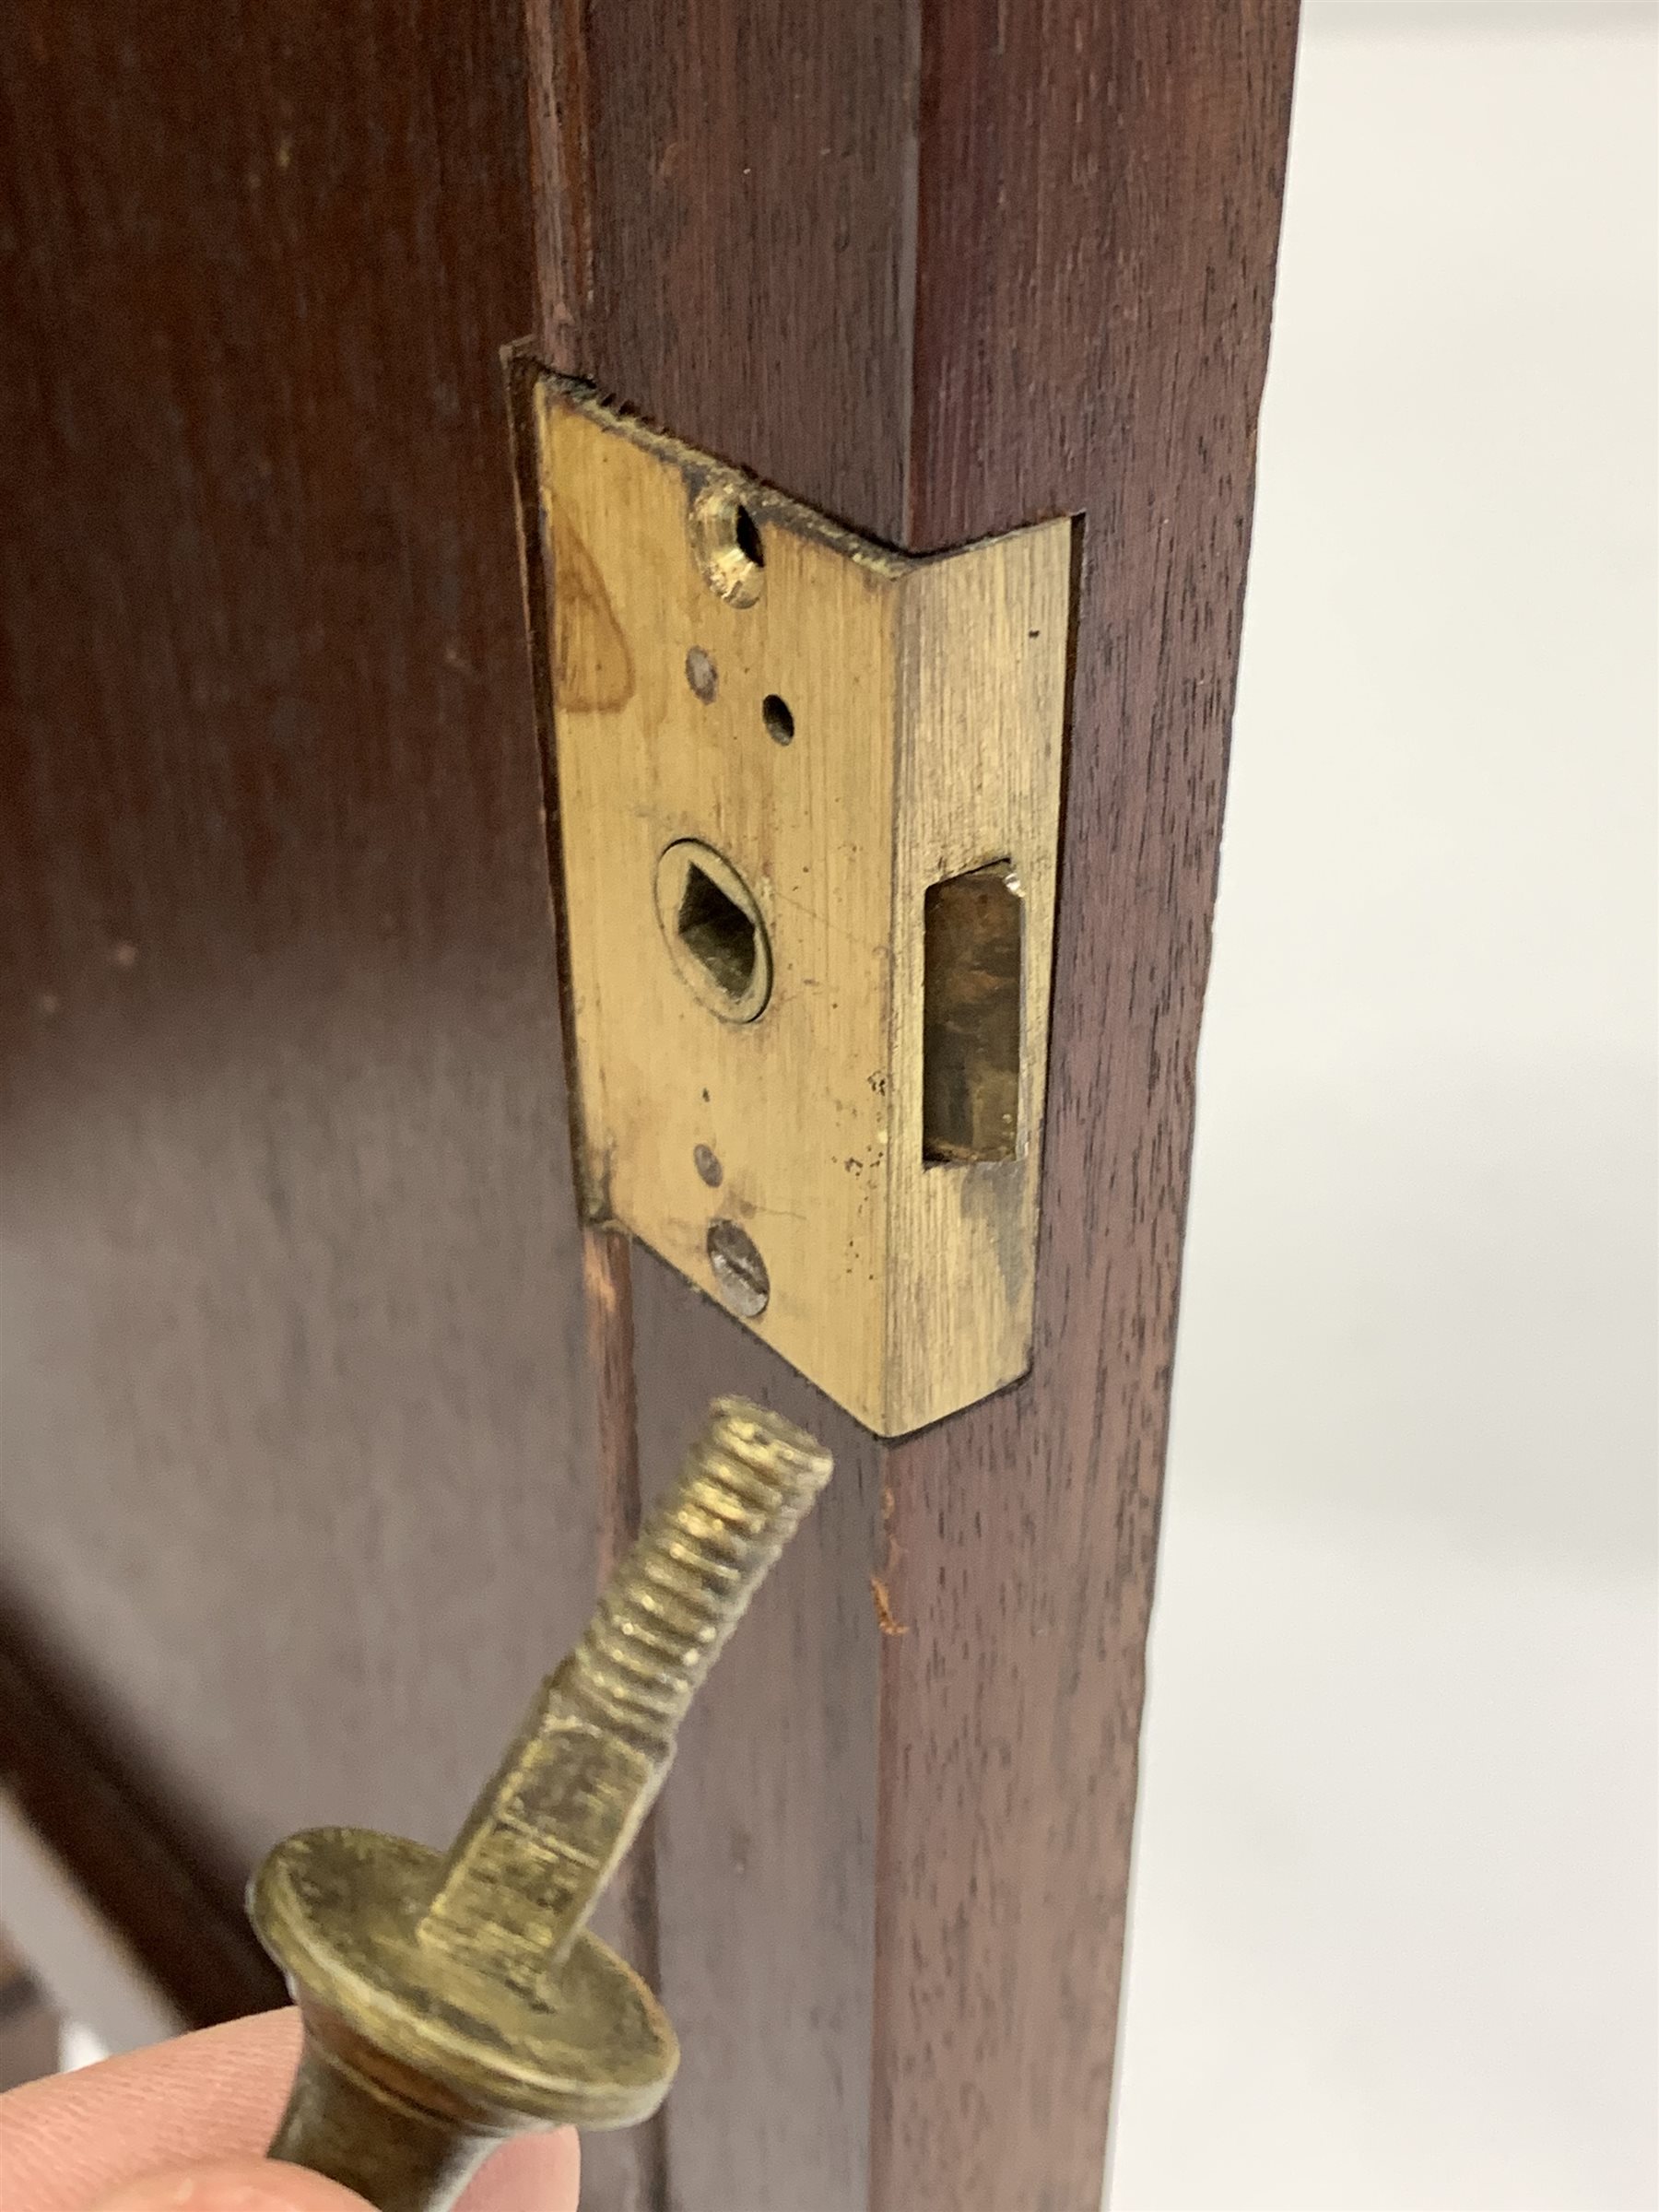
[(752, 174), (766, 1832), (626, 2171), (1114, 217), (943, 270), (298, 1428), (725, 222)]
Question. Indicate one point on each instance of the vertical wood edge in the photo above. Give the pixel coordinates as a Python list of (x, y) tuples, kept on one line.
[(629, 2169), (626, 2172), (1026, 1531)]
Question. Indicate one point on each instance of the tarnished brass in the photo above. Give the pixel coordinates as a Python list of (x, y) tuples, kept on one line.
[(450, 2001), (809, 812)]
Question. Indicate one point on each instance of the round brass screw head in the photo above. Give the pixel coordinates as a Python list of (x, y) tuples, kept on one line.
[(338, 1909)]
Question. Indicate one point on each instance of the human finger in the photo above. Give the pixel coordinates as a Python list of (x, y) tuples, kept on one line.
[(69, 2141)]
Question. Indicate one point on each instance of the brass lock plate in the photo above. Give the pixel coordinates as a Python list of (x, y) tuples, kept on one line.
[(808, 797)]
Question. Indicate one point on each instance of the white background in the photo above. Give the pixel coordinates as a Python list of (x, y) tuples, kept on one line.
[(1393, 1938)]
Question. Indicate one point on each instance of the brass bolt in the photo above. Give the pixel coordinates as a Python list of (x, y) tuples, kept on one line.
[(449, 2001)]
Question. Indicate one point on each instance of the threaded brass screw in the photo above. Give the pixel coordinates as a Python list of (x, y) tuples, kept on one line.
[(450, 2001)]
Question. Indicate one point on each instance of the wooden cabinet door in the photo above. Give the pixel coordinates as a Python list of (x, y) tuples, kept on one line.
[(320, 1406)]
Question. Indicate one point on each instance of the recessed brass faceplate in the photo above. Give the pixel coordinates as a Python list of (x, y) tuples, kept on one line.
[(809, 801)]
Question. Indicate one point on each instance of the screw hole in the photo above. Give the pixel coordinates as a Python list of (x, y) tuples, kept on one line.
[(726, 541), (701, 673), (778, 720)]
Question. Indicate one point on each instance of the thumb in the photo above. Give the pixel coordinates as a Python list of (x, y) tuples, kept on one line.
[(232, 2185), (533, 2173)]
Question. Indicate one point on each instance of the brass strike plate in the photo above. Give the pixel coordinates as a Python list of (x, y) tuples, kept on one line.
[(809, 801)]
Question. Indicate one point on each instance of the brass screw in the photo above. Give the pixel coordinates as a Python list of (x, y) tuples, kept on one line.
[(450, 2001)]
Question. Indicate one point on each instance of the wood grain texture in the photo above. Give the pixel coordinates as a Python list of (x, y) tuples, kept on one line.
[(1118, 219), (625, 2170), (752, 237), (940, 270), (766, 1833), (298, 1426)]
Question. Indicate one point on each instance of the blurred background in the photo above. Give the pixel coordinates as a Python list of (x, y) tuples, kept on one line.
[(1394, 1940)]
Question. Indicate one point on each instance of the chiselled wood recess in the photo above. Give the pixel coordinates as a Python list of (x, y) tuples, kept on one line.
[(809, 796)]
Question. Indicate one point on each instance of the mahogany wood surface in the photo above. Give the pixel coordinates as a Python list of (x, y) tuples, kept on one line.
[(942, 269), (296, 1424)]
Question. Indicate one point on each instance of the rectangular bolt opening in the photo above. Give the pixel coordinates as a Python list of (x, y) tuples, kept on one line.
[(973, 934)]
